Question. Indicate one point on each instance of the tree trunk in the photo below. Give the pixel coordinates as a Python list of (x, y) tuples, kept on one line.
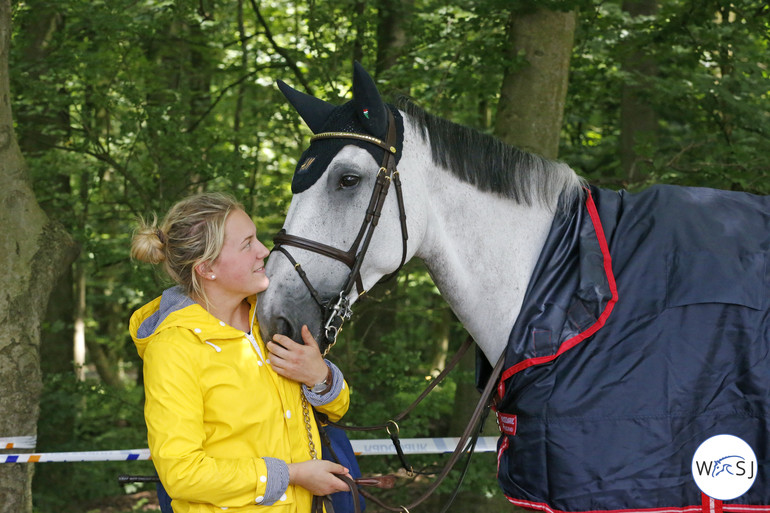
[(531, 107), (33, 139), (33, 251), (359, 27), (440, 341), (638, 121), (79, 347), (391, 33), (466, 396)]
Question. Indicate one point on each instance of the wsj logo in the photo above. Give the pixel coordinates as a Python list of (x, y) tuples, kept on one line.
[(724, 467), (728, 465)]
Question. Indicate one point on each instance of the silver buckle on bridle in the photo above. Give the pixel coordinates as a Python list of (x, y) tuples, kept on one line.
[(342, 310)]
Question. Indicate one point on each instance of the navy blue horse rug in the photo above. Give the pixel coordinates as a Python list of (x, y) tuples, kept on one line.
[(644, 332)]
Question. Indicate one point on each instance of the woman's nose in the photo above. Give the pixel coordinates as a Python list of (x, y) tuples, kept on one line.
[(263, 251)]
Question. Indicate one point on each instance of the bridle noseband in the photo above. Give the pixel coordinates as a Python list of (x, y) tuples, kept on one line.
[(336, 309)]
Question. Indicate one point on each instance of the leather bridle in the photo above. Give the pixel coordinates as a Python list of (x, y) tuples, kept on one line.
[(335, 310)]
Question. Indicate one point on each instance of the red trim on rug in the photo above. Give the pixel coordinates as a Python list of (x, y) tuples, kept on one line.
[(572, 342), (709, 504), (733, 508), (503, 447)]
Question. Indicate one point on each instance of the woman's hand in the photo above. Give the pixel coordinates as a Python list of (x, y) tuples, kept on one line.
[(298, 362), (318, 476)]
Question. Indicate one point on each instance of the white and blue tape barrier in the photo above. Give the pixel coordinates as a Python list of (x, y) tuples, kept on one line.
[(360, 447), (18, 442)]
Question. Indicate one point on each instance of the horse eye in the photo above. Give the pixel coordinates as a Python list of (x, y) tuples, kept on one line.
[(349, 181)]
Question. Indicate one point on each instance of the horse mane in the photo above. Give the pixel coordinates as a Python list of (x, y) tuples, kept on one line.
[(493, 166)]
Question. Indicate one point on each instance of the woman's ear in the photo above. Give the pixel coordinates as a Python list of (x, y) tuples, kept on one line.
[(204, 270)]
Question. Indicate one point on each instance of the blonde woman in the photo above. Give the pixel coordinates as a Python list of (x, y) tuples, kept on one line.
[(227, 415)]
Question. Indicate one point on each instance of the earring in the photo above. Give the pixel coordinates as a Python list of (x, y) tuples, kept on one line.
[(213, 277)]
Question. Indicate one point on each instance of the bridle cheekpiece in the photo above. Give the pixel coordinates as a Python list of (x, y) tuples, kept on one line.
[(336, 310)]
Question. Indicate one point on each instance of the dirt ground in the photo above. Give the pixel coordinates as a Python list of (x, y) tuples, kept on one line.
[(146, 502)]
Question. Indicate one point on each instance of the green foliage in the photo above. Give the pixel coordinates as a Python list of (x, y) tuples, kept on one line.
[(710, 94), (100, 418), (124, 106)]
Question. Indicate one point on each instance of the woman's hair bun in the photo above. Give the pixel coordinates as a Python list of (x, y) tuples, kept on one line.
[(148, 243)]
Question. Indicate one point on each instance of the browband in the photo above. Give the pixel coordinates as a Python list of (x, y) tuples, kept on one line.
[(349, 135)]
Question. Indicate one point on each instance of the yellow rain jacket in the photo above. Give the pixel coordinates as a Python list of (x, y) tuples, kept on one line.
[(222, 425)]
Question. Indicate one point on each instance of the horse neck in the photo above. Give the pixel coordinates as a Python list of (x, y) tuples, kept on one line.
[(481, 249)]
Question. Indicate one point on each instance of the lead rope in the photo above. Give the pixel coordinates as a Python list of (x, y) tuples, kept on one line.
[(471, 431), (308, 427), (325, 502), (318, 503), (391, 426)]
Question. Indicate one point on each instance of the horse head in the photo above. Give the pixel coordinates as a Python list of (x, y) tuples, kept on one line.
[(474, 209), (344, 230)]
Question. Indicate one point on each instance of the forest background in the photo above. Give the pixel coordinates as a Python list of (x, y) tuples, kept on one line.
[(121, 107)]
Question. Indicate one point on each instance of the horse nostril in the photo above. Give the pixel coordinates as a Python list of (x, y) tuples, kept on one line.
[(284, 327)]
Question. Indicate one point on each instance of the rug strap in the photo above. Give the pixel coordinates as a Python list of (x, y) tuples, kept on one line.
[(710, 505)]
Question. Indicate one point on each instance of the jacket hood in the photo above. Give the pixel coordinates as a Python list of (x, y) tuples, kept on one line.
[(175, 309)]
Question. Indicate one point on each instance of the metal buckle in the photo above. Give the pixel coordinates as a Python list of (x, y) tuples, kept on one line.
[(341, 310)]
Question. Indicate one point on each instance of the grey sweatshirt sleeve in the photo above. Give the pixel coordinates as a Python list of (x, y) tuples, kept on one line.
[(337, 381), (277, 481)]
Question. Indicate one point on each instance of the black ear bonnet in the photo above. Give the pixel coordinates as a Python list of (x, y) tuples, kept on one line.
[(365, 114)]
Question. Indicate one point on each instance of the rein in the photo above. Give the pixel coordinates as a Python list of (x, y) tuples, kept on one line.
[(391, 426), (471, 433), (335, 313)]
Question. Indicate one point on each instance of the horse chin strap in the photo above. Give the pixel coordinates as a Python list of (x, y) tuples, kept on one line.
[(336, 310)]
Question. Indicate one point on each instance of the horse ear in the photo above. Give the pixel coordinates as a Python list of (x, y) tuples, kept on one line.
[(315, 112), (370, 108)]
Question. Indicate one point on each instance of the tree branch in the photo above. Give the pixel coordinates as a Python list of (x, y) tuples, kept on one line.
[(291, 63)]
